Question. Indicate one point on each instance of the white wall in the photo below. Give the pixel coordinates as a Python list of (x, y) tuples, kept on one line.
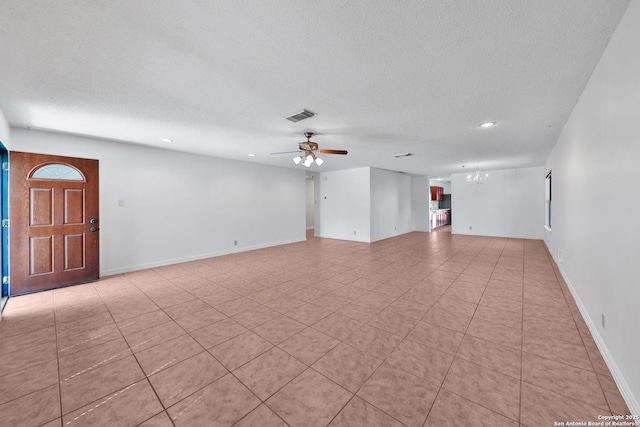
[(345, 202), (420, 195), (595, 162), (511, 204), (391, 213), (180, 206), (4, 129), (375, 203)]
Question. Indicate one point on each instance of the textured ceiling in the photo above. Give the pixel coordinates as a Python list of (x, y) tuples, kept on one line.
[(385, 77)]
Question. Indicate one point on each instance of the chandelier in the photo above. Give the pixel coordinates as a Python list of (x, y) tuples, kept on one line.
[(477, 177)]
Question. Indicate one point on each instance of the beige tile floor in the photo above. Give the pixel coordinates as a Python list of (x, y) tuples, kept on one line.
[(422, 329)]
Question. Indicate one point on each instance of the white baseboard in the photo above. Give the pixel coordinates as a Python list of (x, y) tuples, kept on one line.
[(136, 267), (624, 388)]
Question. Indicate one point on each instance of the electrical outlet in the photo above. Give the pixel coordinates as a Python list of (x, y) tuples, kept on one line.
[(603, 321), (354, 232), (235, 243), (470, 227), (560, 256)]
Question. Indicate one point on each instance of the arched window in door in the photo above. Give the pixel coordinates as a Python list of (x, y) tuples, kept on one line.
[(57, 171)]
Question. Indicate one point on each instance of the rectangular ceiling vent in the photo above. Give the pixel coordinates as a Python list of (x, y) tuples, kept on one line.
[(304, 114)]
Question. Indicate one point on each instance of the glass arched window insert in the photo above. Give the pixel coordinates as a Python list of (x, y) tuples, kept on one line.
[(57, 171)]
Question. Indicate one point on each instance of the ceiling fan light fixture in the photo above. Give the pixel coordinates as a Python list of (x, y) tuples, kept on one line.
[(308, 161), (308, 151)]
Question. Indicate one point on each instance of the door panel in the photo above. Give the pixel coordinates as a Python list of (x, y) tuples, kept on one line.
[(41, 255), (41, 206), (53, 244), (73, 251), (73, 206)]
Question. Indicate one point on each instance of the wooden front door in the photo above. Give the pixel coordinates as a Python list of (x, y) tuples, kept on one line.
[(54, 228)]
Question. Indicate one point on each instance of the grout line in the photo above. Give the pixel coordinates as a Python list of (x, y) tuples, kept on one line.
[(521, 348), (55, 331), (490, 409), (135, 358)]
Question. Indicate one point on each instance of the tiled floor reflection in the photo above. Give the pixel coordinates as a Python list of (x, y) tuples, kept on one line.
[(418, 330)]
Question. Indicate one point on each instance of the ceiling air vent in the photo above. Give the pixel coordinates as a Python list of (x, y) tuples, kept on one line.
[(304, 114)]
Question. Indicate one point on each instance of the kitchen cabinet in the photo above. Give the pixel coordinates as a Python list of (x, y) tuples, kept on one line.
[(437, 193), (440, 217)]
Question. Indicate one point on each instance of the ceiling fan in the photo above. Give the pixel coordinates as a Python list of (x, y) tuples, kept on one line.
[(308, 151)]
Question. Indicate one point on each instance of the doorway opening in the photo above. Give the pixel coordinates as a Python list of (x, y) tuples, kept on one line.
[(311, 204), (440, 202), (4, 212)]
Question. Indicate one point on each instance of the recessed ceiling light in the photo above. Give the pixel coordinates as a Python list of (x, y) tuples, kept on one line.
[(487, 125), (166, 140), (251, 155)]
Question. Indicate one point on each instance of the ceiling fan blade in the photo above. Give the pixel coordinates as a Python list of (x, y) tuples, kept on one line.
[(286, 152), (333, 152)]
